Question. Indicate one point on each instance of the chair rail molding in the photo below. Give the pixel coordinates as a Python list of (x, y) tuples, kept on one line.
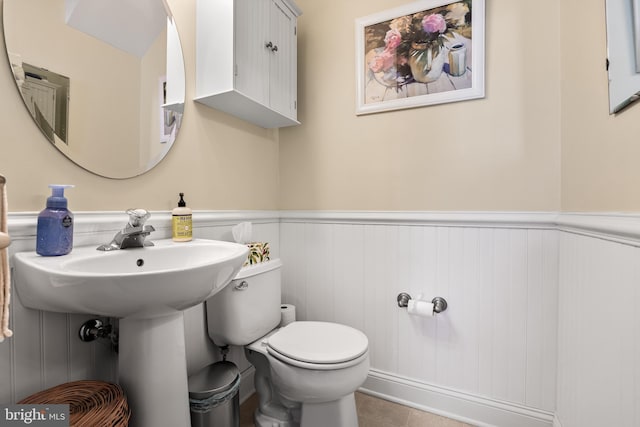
[(614, 226), (619, 227)]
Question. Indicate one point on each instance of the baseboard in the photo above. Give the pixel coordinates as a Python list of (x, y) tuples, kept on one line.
[(476, 410)]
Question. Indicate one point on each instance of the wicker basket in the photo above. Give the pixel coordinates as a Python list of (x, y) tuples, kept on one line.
[(91, 403)]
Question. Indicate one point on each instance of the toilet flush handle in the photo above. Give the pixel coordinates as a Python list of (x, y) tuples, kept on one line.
[(242, 286)]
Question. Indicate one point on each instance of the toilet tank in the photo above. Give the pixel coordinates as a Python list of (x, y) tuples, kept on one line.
[(248, 307)]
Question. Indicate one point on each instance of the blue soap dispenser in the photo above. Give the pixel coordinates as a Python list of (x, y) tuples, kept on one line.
[(55, 225)]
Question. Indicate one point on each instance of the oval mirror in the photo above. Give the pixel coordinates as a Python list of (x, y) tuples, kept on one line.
[(104, 81), (623, 53)]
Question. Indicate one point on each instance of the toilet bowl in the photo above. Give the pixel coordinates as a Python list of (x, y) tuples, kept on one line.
[(306, 372)]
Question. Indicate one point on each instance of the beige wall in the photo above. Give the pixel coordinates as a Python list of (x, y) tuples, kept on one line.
[(600, 153), (218, 161), (498, 153), (541, 139)]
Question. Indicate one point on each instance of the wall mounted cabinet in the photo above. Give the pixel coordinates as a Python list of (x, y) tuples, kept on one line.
[(246, 59)]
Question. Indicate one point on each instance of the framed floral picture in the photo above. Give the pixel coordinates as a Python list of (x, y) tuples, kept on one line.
[(423, 53)]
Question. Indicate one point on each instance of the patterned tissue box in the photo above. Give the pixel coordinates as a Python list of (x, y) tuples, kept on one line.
[(258, 252)]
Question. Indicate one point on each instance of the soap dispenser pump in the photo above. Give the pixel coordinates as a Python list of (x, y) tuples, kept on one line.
[(54, 235)]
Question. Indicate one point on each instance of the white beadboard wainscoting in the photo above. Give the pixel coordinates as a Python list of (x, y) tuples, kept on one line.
[(45, 349), (599, 333), (542, 328), (490, 358)]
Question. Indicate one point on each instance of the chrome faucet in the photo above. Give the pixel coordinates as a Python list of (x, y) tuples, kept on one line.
[(134, 234)]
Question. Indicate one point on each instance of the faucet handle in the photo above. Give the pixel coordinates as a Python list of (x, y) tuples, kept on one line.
[(137, 217)]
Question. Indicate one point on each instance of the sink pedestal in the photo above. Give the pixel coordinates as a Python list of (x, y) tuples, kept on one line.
[(152, 370)]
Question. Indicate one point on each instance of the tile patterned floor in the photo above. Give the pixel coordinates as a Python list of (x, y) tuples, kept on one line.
[(373, 412)]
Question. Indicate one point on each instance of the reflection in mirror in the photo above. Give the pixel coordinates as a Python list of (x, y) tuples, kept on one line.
[(624, 80), (45, 94), (104, 81)]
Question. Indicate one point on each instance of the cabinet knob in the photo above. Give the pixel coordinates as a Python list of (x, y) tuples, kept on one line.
[(273, 47)]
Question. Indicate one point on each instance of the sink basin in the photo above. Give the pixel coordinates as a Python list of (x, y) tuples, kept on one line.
[(138, 283)]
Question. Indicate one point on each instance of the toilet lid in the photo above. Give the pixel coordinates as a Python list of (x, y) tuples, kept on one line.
[(319, 342)]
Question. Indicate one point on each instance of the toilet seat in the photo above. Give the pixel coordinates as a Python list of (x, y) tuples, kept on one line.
[(318, 345), (316, 366)]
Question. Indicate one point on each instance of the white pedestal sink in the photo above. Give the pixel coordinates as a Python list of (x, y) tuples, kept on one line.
[(147, 288)]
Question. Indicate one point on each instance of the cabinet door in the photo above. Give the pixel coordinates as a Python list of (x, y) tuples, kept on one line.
[(283, 58), (252, 57)]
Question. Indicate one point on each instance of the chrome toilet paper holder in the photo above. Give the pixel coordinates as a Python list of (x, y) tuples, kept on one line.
[(439, 303)]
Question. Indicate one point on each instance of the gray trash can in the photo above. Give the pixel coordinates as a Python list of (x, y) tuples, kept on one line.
[(213, 396)]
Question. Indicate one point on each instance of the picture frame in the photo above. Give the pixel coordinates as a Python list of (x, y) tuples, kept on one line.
[(636, 32), (624, 80), (423, 53)]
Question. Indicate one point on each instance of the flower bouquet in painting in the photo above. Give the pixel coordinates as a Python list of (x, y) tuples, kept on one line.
[(421, 48)]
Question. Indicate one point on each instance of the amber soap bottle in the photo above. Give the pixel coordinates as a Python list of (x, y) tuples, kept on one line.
[(182, 222)]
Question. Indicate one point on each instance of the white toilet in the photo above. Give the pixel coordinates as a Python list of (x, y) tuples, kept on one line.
[(306, 372)]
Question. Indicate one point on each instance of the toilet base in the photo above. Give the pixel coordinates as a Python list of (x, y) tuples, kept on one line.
[(262, 420), (339, 413)]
